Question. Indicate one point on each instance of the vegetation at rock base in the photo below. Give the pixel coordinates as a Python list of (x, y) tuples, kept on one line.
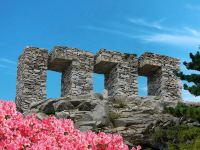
[(183, 110), (178, 137), (120, 104), (113, 116), (194, 78)]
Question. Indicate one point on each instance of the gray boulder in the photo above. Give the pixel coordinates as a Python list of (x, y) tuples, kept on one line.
[(100, 113), (62, 105)]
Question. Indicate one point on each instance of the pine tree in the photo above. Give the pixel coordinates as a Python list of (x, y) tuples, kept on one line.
[(194, 78)]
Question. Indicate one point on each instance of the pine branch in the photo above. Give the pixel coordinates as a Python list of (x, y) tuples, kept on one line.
[(195, 64), (194, 89), (195, 78)]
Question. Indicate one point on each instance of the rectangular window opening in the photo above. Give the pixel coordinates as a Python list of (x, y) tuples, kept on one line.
[(142, 86), (98, 83), (53, 84)]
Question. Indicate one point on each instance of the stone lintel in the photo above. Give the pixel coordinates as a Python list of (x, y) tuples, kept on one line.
[(104, 67), (58, 64), (148, 69), (159, 56), (61, 57), (105, 60), (156, 60), (150, 62)]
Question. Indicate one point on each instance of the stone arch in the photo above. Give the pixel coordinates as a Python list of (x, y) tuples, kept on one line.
[(120, 71), (162, 80), (76, 67)]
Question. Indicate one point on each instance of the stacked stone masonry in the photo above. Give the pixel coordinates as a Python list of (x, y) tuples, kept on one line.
[(77, 67), (120, 72), (160, 71), (31, 77)]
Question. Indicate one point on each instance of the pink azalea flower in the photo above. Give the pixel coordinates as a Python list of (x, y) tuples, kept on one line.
[(18, 133)]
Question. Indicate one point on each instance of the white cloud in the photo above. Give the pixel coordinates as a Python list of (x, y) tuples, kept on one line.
[(8, 61), (183, 36), (109, 30), (175, 39), (143, 22), (187, 36), (192, 31)]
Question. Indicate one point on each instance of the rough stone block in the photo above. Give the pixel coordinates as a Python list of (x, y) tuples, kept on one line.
[(76, 67), (160, 71), (31, 77)]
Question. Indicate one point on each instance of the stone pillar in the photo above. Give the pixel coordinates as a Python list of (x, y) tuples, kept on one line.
[(120, 72), (160, 71), (154, 82), (171, 84), (76, 67), (31, 77)]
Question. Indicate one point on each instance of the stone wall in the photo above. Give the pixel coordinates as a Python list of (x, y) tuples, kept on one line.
[(31, 77), (120, 72), (160, 71), (77, 67)]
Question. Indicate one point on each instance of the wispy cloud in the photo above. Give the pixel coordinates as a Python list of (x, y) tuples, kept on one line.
[(183, 36), (109, 30), (175, 39), (145, 23), (192, 31), (192, 7), (5, 60)]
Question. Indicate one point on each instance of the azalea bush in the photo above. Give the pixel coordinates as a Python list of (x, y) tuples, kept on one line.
[(29, 133)]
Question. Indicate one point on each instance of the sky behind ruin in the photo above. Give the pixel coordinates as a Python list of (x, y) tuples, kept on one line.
[(164, 27)]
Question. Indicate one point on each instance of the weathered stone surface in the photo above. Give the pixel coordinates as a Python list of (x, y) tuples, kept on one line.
[(62, 114), (76, 67), (62, 105), (47, 107), (100, 113), (41, 115), (85, 128), (160, 71), (31, 77), (120, 72), (85, 106), (82, 116), (135, 117)]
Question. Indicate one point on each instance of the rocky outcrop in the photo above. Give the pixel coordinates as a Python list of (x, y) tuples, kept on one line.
[(132, 117)]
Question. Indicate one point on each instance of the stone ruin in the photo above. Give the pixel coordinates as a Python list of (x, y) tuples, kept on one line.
[(77, 67), (120, 109)]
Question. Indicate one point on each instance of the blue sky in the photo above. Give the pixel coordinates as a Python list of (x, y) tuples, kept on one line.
[(164, 27)]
